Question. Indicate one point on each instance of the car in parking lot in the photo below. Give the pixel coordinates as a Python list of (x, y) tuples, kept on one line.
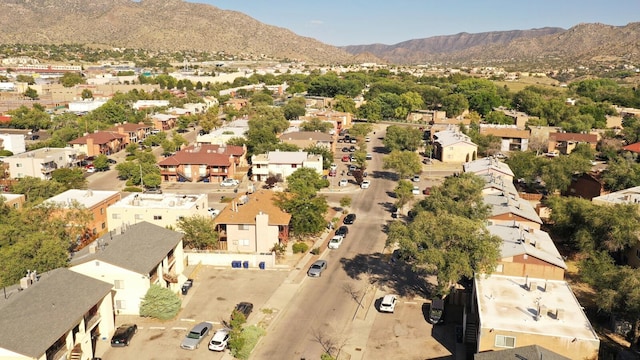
[(345, 149), (349, 219), (342, 231), (365, 184), (244, 308), (367, 139), (353, 168), (343, 182), (346, 158), (111, 161), (415, 190), (335, 242), (229, 182), (416, 178), (333, 166), (427, 191), (388, 303), (123, 335), (317, 268), (213, 212), (219, 340), (369, 156), (195, 336)]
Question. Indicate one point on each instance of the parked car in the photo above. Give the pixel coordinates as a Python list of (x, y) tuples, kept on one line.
[(426, 191), (367, 139), (244, 308), (415, 190), (365, 184), (219, 340), (346, 158), (153, 191), (333, 166), (317, 268), (343, 182), (349, 219), (195, 336), (91, 169), (345, 149), (229, 182), (416, 178), (111, 161), (388, 303), (333, 172), (342, 231), (335, 242), (436, 311), (213, 212), (369, 156), (352, 148), (123, 335)]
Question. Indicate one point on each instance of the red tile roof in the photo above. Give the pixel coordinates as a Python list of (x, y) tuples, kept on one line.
[(635, 147), (100, 137)]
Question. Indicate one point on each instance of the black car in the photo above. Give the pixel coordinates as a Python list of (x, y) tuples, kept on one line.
[(342, 231), (244, 308), (123, 335), (345, 149), (111, 161), (349, 219)]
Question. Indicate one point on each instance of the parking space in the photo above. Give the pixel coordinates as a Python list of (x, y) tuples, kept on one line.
[(212, 298)]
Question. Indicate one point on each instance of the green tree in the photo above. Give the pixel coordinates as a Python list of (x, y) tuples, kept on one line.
[(344, 104), (345, 201), (261, 99), (403, 138), (101, 162), (316, 124), (70, 79), (305, 182), (70, 178), (327, 155), (454, 105), (36, 190), (86, 94), (34, 118), (199, 232), (25, 79), (31, 93), (405, 163), (294, 108), (621, 173), (307, 213), (458, 195), (360, 130), (403, 193), (160, 303), (524, 165), (210, 119)]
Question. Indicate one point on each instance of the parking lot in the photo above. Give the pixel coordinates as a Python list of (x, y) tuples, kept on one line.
[(212, 298)]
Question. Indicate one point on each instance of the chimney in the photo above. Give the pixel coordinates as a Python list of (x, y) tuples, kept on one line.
[(92, 249), (559, 314), (533, 286)]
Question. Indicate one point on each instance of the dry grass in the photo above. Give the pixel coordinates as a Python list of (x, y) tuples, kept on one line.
[(523, 82)]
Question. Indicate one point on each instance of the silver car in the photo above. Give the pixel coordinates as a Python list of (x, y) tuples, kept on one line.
[(317, 268), (195, 336)]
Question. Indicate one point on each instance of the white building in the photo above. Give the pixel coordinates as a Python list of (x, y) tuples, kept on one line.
[(221, 136), (13, 142), (41, 163), (142, 104), (85, 106), (158, 209), (283, 163)]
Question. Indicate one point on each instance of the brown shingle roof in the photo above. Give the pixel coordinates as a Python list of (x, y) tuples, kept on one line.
[(100, 137), (505, 132), (205, 154), (590, 138), (260, 201), (129, 127)]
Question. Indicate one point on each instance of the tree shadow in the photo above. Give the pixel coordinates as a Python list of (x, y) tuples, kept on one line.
[(397, 276)]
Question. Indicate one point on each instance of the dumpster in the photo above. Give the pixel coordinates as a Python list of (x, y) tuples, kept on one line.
[(185, 289), (261, 265), (245, 264)]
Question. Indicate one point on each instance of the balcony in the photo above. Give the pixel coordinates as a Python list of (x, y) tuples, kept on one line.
[(170, 278)]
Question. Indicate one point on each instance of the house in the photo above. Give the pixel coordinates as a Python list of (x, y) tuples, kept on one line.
[(586, 186), (42, 162), (12, 142), (146, 104), (630, 196), (134, 132), (452, 146), (59, 314), (341, 120), (164, 122), (252, 224), (202, 162), (523, 352), (566, 142), (283, 163), (236, 104), (426, 116), (509, 207), (14, 201), (511, 138), (95, 201), (635, 148), (489, 165), (527, 251), (304, 139), (164, 210), (519, 118), (133, 260), (220, 136), (516, 311), (100, 142)]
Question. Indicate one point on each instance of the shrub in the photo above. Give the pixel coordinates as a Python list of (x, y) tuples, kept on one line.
[(160, 303), (250, 335), (315, 251), (300, 247), (132, 189)]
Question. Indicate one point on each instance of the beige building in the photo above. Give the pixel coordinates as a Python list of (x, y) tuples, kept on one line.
[(304, 139), (42, 162), (252, 223), (489, 165), (520, 311), (14, 201), (59, 314), (452, 146), (132, 261), (158, 209)]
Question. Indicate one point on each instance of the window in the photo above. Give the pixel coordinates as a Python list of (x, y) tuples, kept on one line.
[(500, 268), (138, 216), (505, 341), (104, 225), (118, 284), (115, 216), (121, 304), (244, 242), (293, 166), (157, 217), (243, 227), (101, 211)]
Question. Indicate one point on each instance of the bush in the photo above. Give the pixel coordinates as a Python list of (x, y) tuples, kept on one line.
[(132, 189), (160, 303), (300, 247), (315, 251), (250, 335)]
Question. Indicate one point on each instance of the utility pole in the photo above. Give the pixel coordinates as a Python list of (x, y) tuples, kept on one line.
[(141, 181)]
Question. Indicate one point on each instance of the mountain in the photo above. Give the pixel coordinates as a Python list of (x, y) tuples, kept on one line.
[(171, 25), (583, 42)]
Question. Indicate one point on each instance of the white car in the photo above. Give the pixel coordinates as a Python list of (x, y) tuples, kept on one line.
[(335, 242), (365, 184), (343, 182), (415, 190), (367, 139), (334, 167), (229, 182), (219, 340), (214, 212), (388, 303)]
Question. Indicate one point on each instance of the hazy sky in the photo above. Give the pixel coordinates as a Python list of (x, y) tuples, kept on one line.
[(359, 22)]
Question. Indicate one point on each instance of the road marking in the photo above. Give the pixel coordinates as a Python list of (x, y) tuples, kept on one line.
[(178, 328), (189, 320), (156, 327), (213, 322), (411, 302)]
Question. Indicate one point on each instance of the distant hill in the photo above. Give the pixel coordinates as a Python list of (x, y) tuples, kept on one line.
[(155, 25)]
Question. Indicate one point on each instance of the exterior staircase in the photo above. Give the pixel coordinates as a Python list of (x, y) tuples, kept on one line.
[(76, 353)]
